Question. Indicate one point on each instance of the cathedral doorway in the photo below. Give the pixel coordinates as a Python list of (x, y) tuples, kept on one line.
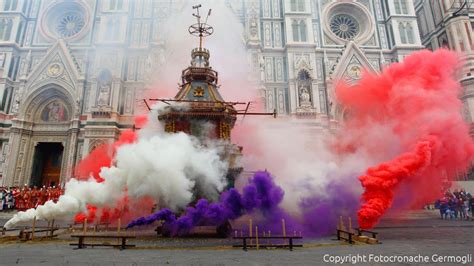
[(47, 159)]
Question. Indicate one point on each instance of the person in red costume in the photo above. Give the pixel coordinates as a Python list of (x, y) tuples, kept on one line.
[(42, 196), (27, 198), (56, 193), (34, 197), (16, 196), (49, 194)]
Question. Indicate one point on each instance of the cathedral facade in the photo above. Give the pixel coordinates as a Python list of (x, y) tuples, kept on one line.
[(300, 47), (72, 71)]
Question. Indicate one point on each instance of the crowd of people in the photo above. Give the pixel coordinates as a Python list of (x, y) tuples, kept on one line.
[(21, 199), (456, 205)]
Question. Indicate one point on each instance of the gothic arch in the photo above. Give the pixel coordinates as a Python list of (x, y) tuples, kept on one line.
[(41, 97), (95, 143)]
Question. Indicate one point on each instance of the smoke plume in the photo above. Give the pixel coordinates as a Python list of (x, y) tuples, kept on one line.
[(416, 102)]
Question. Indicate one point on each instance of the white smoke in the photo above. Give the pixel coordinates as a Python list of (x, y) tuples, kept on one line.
[(166, 167)]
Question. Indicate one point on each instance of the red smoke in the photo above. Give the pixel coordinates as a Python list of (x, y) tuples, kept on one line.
[(412, 108), (380, 181), (102, 156), (90, 166)]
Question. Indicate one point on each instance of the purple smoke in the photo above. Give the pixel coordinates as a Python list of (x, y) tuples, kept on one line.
[(321, 213), (163, 215), (261, 193), (261, 198)]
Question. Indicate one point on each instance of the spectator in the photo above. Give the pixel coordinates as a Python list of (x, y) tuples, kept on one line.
[(471, 201), (466, 207), (443, 208), (3, 198), (460, 207)]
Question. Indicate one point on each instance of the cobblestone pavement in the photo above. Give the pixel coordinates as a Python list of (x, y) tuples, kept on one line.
[(422, 233)]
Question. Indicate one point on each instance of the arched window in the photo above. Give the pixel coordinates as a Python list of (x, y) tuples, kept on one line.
[(301, 5), (109, 29), (296, 31), (303, 31), (401, 6), (404, 5), (116, 31), (410, 34), (112, 29), (293, 5), (116, 4), (19, 32), (398, 9), (10, 5), (403, 35), (5, 29)]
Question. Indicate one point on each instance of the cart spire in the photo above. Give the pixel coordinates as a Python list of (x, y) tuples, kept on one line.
[(201, 29)]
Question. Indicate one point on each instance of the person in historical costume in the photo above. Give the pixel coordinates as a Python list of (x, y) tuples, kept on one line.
[(49, 194), (26, 198), (21, 200), (34, 197), (43, 196), (57, 193), (17, 198)]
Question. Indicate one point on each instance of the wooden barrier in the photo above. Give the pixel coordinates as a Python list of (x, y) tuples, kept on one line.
[(121, 237), (246, 246), (346, 236), (30, 234)]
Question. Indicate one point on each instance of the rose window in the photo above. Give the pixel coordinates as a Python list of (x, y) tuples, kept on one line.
[(344, 26), (63, 19), (70, 24)]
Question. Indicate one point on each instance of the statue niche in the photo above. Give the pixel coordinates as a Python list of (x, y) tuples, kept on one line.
[(304, 89), (305, 94), (104, 85)]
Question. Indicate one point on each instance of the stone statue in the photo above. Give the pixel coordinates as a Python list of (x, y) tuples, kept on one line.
[(104, 95), (16, 103), (305, 98), (253, 26), (78, 107), (261, 61)]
